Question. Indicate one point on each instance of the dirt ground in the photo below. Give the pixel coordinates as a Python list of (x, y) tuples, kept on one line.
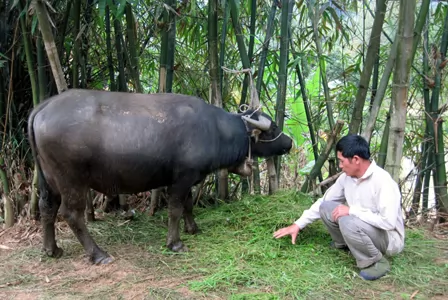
[(136, 273), (25, 273)]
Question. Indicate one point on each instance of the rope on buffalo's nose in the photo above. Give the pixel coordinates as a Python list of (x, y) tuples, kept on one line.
[(268, 141)]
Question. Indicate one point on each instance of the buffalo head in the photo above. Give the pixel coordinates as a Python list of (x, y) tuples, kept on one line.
[(267, 139)]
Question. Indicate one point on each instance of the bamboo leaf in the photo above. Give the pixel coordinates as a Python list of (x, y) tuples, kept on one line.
[(4, 56), (102, 8), (333, 13), (14, 4), (338, 5), (112, 8), (120, 10), (34, 25), (322, 9), (47, 3)]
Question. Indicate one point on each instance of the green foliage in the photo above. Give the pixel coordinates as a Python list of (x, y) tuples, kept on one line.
[(116, 7)]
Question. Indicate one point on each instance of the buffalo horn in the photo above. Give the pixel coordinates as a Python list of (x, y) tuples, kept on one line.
[(263, 123)]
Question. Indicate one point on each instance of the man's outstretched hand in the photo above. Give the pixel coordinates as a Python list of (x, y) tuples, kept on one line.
[(292, 230)]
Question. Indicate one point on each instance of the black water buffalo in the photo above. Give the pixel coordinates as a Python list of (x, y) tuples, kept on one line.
[(123, 143)]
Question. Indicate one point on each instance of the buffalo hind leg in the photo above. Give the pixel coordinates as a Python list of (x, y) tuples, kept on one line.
[(49, 204), (176, 202), (72, 209), (190, 224)]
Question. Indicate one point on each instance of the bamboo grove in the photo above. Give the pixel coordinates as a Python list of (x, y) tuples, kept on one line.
[(320, 68)]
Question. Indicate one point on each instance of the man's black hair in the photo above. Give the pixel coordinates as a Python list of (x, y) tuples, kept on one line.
[(353, 144)]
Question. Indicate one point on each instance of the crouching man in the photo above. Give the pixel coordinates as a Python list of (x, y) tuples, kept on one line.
[(362, 210)]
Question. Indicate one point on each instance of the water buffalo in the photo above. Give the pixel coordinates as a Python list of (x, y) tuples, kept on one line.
[(123, 143)]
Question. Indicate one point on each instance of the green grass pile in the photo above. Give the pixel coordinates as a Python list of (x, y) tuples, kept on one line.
[(235, 254)]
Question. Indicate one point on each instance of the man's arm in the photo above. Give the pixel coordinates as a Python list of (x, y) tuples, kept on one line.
[(389, 201), (334, 193)]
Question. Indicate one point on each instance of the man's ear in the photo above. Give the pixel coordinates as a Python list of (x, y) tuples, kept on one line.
[(357, 159), (255, 133)]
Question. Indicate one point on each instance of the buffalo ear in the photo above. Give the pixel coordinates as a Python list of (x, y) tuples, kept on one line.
[(255, 134)]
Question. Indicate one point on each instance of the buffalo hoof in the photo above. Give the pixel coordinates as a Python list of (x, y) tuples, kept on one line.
[(56, 252), (178, 247), (192, 229), (101, 259)]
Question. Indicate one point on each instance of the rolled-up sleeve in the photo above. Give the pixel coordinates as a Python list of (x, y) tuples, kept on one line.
[(334, 193)]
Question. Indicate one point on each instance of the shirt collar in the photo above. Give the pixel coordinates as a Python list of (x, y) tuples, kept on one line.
[(369, 170)]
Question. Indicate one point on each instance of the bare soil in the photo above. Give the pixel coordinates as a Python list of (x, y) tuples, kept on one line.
[(26, 273)]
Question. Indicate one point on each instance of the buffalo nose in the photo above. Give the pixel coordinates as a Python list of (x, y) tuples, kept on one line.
[(289, 147)]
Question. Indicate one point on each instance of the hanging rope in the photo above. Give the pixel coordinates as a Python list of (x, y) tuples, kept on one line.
[(254, 100)]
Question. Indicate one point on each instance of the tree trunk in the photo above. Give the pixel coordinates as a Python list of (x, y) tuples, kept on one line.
[(382, 154), (440, 178), (41, 62), (261, 67), (213, 53), (5, 184), (163, 54), (50, 46), (122, 82), (132, 36), (421, 166), (171, 47), (430, 168), (376, 75), (245, 182), (239, 36), (223, 46), (419, 24), (86, 69), (282, 73), (34, 89), (9, 211), (381, 91), (429, 146), (215, 89), (314, 15), (306, 105), (400, 88), (62, 32), (310, 180), (272, 176), (77, 43), (241, 45), (372, 54), (110, 64)]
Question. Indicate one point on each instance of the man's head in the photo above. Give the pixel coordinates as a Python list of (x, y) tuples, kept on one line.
[(353, 155)]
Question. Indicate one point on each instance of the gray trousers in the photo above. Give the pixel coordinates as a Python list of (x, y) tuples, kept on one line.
[(366, 242)]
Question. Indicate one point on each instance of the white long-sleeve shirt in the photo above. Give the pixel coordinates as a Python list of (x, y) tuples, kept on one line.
[(373, 198)]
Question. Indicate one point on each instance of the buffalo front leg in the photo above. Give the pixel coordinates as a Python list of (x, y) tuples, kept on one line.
[(175, 210), (190, 224), (48, 206), (72, 209)]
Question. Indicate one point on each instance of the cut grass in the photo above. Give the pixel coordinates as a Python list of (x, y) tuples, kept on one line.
[(236, 257)]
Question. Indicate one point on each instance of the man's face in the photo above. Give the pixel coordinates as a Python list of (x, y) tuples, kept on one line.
[(349, 166)]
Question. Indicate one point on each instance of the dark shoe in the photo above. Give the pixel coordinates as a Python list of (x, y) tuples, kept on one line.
[(344, 247), (375, 271)]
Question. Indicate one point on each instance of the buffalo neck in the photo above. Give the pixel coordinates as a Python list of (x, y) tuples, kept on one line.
[(234, 140)]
